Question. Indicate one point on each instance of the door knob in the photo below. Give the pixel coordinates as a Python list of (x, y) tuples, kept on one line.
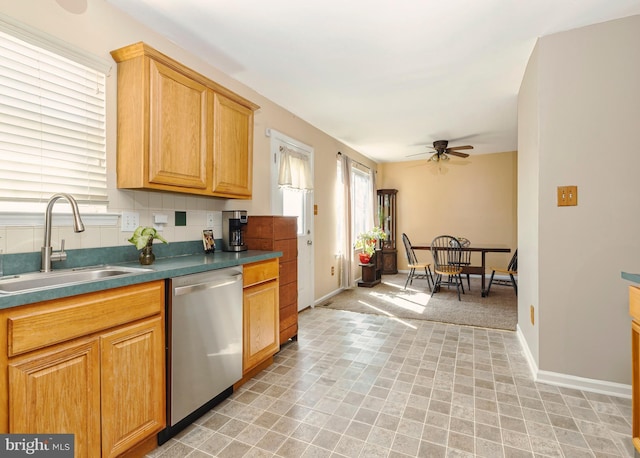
[(309, 242)]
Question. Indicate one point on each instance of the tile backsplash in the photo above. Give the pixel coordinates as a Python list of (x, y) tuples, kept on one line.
[(30, 238)]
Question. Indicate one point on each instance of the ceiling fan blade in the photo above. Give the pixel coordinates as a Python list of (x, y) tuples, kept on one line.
[(416, 154), (461, 147), (456, 153)]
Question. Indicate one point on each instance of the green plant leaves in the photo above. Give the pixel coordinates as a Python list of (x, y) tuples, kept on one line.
[(143, 234)]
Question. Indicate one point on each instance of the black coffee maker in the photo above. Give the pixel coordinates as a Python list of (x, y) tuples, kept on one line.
[(233, 224)]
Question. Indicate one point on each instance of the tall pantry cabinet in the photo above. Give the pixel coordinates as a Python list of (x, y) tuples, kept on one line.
[(280, 233)]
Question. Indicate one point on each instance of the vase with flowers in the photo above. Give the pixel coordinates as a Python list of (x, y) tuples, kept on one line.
[(143, 238), (367, 242)]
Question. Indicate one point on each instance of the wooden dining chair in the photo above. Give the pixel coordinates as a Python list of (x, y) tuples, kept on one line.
[(447, 255), (416, 267), (465, 257), (511, 271)]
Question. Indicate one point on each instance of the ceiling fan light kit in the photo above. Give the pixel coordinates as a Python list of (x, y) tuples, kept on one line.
[(443, 151)]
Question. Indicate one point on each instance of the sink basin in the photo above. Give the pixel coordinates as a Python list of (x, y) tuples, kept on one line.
[(41, 280)]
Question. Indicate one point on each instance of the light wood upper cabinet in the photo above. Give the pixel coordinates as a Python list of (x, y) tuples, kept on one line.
[(179, 139), (232, 147), (178, 130)]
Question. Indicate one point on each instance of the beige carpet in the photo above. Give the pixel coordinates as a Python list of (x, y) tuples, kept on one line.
[(498, 311)]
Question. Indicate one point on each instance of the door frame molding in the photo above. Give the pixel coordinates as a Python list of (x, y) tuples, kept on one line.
[(279, 139)]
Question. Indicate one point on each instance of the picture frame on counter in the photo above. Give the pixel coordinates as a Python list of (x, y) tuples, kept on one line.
[(208, 241)]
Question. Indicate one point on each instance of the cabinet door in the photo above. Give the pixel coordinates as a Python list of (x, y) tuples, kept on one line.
[(178, 130), (232, 148), (261, 323), (133, 388), (635, 383), (58, 392)]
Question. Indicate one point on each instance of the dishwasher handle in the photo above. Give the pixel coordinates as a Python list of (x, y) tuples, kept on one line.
[(180, 290)]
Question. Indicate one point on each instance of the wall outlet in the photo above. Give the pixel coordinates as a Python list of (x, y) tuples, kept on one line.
[(129, 221), (333, 270), (209, 220)]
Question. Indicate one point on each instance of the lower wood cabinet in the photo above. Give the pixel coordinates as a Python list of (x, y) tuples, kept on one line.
[(260, 316), (91, 365), (131, 385), (634, 311), (58, 392)]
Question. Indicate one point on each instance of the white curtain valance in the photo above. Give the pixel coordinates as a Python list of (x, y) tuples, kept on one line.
[(295, 170)]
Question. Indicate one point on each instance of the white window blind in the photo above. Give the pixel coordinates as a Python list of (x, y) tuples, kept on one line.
[(52, 126)]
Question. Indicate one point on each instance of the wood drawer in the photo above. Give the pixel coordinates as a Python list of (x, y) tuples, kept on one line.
[(288, 272), (259, 244), (51, 322), (259, 272), (289, 249), (288, 316), (273, 228), (288, 294)]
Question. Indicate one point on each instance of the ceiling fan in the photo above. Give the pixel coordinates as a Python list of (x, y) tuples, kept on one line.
[(443, 151)]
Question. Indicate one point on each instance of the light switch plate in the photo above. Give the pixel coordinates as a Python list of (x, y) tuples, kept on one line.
[(129, 221), (159, 218), (567, 196), (210, 222)]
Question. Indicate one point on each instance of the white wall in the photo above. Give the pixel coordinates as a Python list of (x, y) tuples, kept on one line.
[(528, 195), (579, 119), (102, 28)]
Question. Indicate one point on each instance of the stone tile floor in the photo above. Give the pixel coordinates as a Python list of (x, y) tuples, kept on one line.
[(358, 385)]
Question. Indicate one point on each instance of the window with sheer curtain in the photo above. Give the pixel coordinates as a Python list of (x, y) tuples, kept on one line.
[(362, 206), (354, 211), (52, 112)]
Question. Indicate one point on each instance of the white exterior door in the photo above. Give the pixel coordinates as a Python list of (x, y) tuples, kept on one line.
[(288, 202)]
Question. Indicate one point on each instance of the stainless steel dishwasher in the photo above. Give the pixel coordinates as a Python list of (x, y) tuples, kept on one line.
[(204, 344)]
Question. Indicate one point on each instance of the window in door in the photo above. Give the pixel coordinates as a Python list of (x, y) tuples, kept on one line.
[(294, 204)]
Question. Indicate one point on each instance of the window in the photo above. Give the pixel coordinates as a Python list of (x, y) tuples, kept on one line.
[(362, 201), (359, 193), (52, 112), (293, 204)]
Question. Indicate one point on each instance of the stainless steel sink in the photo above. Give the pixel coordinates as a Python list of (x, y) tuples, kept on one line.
[(40, 280)]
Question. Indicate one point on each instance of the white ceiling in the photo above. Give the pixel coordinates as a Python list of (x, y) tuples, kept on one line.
[(385, 77)]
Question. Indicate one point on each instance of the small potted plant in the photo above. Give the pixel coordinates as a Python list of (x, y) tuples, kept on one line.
[(143, 238), (367, 242)]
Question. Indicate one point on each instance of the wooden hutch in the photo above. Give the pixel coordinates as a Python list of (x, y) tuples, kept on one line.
[(387, 222)]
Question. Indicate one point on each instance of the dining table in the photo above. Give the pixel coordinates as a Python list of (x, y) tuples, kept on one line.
[(473, 270)]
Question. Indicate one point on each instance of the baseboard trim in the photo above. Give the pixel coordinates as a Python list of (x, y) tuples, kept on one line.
[(326, 297), (585, 384), (531, 361), (571, 381)]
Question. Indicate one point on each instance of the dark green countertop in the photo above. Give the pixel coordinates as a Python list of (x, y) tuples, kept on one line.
[(162, 268), (631, 277)]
